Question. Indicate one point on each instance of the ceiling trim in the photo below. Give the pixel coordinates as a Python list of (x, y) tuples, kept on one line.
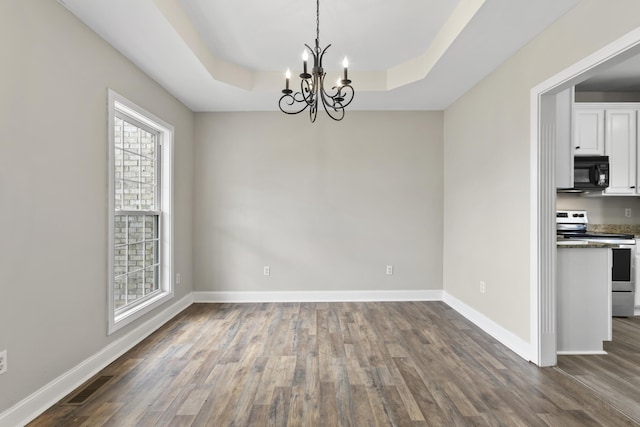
[(419, 67), (219, 69)]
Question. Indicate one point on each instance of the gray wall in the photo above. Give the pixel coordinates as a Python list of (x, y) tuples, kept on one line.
[(487, 163), (327, 205), (53, 189)]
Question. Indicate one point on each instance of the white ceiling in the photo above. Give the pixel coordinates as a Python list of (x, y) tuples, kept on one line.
[(223, 55)]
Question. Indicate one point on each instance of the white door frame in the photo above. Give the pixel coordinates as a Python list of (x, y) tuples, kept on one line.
[(543, 196)]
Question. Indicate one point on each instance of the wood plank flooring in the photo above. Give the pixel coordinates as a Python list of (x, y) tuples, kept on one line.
[(330, 364), (615, 376)]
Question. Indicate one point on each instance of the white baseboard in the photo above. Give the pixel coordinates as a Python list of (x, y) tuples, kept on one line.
[(316, 296), (29, 408), (507, 338)]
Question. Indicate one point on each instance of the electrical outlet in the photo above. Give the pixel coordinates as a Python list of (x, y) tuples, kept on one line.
[(389, 270), (627, 212), (178, 279), (3, 362), (266, 270), (482, 287)]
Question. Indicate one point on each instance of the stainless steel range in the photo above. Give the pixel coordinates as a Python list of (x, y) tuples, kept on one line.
[(572, 227)]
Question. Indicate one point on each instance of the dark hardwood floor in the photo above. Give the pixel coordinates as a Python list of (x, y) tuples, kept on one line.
[(615, 376), (329, 364)]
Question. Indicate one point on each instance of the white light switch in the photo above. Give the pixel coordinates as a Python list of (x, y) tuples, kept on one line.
[(267, 270)]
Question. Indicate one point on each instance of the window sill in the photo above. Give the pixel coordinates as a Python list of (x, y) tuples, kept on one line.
[(138, 311)]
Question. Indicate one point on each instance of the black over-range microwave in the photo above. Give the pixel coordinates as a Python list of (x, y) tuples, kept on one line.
[(591, 172)]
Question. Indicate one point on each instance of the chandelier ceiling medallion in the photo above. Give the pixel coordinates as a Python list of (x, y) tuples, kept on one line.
[(312, 88)]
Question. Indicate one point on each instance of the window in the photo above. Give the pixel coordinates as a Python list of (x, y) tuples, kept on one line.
[(140, 228), (137, 214)]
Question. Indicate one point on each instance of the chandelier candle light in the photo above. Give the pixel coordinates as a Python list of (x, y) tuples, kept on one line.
[(312, 88)]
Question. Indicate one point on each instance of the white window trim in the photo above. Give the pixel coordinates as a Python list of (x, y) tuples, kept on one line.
[(166, 131)]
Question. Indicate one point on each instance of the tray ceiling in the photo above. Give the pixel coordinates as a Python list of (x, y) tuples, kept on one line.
[(403, 55)]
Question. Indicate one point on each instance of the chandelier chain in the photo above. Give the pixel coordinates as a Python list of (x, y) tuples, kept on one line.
[(317, 22)]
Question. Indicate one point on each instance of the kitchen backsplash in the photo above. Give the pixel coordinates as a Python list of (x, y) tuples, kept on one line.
[(603, 210)]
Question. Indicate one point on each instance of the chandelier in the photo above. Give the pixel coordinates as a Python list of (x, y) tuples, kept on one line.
[(312, 88)]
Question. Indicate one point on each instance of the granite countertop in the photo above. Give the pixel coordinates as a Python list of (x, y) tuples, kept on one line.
[(602, 228), (586, 245), (615, 228)]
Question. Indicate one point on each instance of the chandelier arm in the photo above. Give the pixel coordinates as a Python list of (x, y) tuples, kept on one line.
[(321, 55), (287, 101), (343, 96), (314, 54), (306, 92), (339, 112), (313, 111), (351, 94), (333, 105), (347, 93)]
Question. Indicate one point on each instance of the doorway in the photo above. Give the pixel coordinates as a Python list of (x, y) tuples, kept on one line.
[(543, 190)]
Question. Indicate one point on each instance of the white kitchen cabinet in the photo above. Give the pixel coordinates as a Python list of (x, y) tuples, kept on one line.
[(556, 115), (621, 147), (584, 300), (610, 129), (555, 130), (588, 130)]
